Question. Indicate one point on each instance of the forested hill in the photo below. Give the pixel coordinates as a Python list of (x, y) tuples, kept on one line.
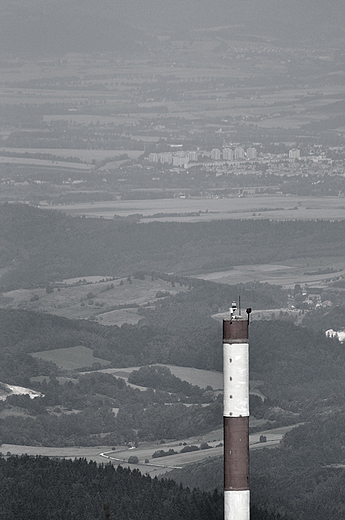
[(48, 489), (285, 357), (45, 489), (41, 246), (179, 331)]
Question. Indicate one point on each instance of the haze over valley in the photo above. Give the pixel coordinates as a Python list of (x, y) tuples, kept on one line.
[(159, 161)]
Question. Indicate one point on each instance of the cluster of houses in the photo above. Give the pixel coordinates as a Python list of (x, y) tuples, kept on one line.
[(183, 158)]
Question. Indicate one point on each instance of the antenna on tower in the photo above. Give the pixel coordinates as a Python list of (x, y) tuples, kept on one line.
[(239, 305), (233, 309)]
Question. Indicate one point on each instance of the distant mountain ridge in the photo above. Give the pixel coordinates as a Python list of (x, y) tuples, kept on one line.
[(108, 25)]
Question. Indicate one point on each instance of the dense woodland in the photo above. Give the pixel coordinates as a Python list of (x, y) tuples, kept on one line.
[(323, 320), (41, 246), (40, 488), (284, 357), (142, 416)]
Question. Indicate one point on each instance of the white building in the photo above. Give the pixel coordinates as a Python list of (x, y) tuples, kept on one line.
[(215, 154), (295, 153), (166, 157), (192, 156), (179, 160), (228, 154), (340, 334), (239, 153), (251, 153), (153, 157)]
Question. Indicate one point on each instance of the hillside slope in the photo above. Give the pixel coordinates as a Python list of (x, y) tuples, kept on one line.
[(41, 246), (78, 490)]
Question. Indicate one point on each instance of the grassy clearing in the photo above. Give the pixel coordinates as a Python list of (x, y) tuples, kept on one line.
[(13, 412), (119, 317), (72, 358), (202, 378)]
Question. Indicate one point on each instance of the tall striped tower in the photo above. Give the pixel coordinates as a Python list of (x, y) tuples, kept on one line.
[(236, 415)]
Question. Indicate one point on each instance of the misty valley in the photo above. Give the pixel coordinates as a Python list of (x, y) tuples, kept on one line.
[(158, 164)]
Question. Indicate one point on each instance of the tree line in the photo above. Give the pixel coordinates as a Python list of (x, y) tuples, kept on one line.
[(43, 488), (49, 246)]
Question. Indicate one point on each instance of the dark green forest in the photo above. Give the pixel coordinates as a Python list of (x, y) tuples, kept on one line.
[(306, 475), (42, 246), (321, 319), (141, 416), (39, 488), (284, 357)]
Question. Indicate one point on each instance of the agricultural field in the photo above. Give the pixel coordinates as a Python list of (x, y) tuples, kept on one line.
[(77, 132), (25, 162), (309, 271), (106, 300), (276, 207), (156, 466), (77, 159), (259, 101)]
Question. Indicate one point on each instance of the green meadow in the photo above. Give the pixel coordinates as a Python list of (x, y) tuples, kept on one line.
[(73, 358)]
